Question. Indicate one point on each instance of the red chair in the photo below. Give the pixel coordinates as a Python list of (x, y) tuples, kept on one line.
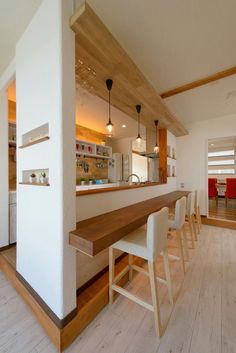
[(230, 192), (212, 190)]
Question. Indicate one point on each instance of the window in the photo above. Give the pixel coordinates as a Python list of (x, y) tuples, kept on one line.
[(221, 162), (221, 153)]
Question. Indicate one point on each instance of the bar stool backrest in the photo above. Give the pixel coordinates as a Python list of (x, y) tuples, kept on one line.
[(190, 203), (180, 210), (157, 228)]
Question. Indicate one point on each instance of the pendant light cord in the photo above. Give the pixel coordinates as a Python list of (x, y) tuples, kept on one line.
[(109, 107)]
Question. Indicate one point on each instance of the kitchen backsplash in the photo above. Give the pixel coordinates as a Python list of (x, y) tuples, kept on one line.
[(91, 168)]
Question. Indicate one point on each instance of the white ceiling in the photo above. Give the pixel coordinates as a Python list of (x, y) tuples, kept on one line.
[(210, 101), (92, 112), (176, 42), (15, 15), (221, 142)]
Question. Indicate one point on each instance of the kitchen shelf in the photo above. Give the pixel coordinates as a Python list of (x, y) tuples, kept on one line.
[(90, 149), (92, 155), (34, 184), (42, 139)]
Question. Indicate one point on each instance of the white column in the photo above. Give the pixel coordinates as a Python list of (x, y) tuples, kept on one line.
[(45, 215)]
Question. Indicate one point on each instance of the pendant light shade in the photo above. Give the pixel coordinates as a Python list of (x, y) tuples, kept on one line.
[(138, 109), (109, 125), (156, 147)]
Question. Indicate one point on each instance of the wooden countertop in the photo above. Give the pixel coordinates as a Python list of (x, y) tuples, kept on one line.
[(97, 233), (115, 188)]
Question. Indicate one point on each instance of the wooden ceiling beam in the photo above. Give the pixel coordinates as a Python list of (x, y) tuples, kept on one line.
[(99, 56), (203, 81)]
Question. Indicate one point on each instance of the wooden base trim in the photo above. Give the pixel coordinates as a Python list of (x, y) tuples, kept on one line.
[(60, 323), (218, 222), (46, 322), (7, 247)]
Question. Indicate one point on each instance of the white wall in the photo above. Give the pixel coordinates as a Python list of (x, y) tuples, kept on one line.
[(5, 80), (192, 153), (45, 215)]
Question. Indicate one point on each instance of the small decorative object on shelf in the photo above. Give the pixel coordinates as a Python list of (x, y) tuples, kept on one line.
[(173, 153), (32, 178), (168, 151), (43, 178), (82, 181), (91, 181)]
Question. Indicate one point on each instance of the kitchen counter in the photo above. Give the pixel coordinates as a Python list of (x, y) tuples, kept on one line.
[(95, 234), (96, 189)]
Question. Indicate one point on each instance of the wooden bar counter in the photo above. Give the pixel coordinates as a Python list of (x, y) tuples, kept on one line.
[(96, 234)]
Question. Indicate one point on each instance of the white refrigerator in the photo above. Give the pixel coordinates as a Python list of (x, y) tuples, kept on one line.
[(118, 167)]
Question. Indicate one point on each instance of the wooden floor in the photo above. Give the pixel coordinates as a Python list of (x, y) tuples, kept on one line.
[(203, 319), (221, 211)]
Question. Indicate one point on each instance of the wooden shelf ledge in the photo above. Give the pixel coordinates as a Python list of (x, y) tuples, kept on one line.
[(34, 184), (42, 139)]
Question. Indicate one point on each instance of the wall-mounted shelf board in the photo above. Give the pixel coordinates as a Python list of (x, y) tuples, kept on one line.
[(92, 155), (34, 184), (42, 139)]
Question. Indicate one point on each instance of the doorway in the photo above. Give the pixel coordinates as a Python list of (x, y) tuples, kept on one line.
[(222, 178)]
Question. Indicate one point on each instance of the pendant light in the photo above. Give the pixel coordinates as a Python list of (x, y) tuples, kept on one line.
[(156, 148), (138, 109), (109, 125)]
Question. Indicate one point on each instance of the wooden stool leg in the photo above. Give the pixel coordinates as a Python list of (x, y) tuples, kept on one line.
[(111, 274), (197, 221), (194, 227), (168, 277), (191, 230), (199, 217), (130, 268), (178, 233), (155, 300), (185, 242)]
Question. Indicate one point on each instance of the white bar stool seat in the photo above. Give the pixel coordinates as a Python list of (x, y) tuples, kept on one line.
[(148, 243)]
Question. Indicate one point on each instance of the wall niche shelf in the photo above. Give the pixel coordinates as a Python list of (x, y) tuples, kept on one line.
[(38, 179), (90, 149), (35, 136), (34, 184), (41, 139)]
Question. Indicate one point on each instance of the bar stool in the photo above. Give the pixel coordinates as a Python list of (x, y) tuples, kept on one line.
[(190, 217), (147, 243), (178, 224), (198, 220)]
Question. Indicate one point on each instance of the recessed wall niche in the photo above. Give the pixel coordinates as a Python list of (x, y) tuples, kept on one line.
[(35, 136), (38, 177)]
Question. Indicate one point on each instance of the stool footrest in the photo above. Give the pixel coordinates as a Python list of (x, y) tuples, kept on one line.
[(121, 274), (146, 273), (132, 297)]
